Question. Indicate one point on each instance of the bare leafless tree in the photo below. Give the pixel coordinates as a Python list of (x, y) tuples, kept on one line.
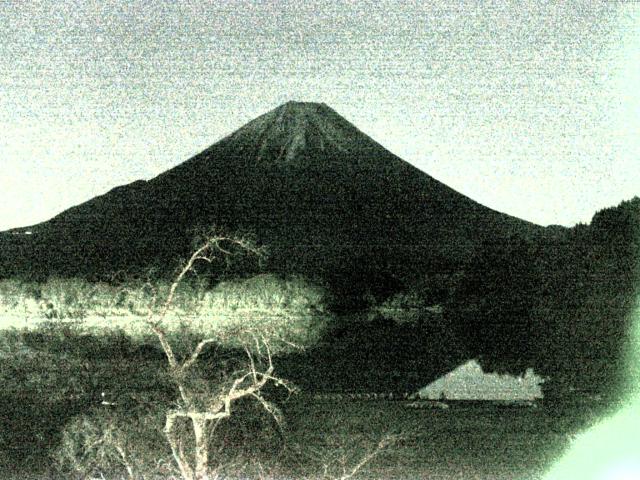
[(200, 406), (202, 403)]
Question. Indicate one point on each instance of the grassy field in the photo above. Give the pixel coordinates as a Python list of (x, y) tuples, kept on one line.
[(63, 343), (478, 442), (50, 377), (468, 441)]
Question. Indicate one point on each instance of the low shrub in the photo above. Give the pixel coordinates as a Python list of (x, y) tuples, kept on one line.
[(108, 443), (291, 308), (409, 307), (116, 443)]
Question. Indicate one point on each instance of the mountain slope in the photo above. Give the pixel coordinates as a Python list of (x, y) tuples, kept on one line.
[(331, 203), (324, 197)]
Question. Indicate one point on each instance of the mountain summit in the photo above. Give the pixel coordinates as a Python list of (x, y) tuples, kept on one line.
[(298, 134), (286, 133), (324, 197)]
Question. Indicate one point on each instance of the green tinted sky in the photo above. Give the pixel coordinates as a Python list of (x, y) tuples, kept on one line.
[(532, 108)]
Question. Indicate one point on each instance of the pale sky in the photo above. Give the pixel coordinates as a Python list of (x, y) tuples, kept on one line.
[(531, 108)]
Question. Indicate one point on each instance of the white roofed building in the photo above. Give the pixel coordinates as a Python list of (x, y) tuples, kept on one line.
[(470, 382)]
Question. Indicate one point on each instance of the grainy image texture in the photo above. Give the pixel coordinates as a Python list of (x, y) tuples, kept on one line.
[(322, 240)]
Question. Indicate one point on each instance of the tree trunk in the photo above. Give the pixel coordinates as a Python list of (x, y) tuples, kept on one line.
[(202, 447), (185, 470)]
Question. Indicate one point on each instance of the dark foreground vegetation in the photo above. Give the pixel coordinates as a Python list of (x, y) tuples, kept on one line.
[(88, 382), (556, 300), (70, 401)]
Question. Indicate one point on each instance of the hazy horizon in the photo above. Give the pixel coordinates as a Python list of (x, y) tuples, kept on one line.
[(531, 109)]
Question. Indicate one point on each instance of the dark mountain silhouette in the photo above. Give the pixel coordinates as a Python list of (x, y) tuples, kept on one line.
[(325, 198), (331, 203)]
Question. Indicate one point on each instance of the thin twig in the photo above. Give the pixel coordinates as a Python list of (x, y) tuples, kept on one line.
[(196, 352)]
